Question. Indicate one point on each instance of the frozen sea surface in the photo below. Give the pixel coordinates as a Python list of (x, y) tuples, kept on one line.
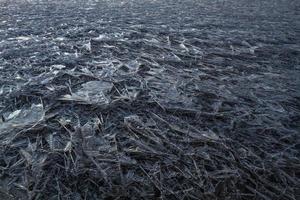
[(190, 99)]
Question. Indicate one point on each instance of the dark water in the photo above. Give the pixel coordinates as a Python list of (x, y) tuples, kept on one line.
[(150, 99)]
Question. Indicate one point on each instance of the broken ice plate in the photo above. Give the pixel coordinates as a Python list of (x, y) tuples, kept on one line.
[(93, 92), (22, 118)]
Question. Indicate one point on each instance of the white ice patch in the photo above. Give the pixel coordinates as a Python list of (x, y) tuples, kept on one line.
[(60, 39), (23, 38)]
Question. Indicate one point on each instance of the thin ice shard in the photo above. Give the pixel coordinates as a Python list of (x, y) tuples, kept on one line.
[(93, 92), (22, 118)]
